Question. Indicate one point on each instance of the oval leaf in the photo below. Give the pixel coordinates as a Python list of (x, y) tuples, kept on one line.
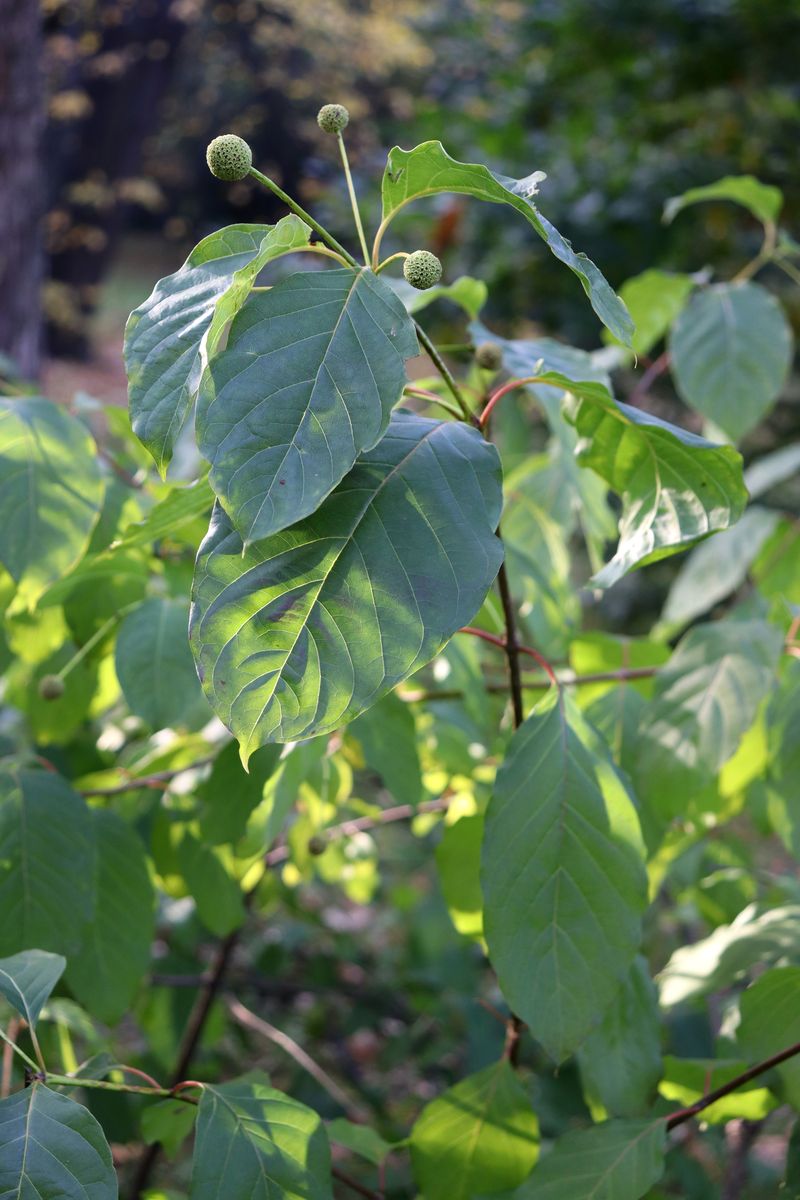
[(618, 1160), (51, 492), (479, 1136), (154, 665), (315, 624), (762, 200), (428, 169), (310, 374), (169, 337), (563, 876), (731, 349), (53, 1148), (27, 979), (279, 1147)]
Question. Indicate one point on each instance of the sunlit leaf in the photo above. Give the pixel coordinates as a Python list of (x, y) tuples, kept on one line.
[(763, 200)]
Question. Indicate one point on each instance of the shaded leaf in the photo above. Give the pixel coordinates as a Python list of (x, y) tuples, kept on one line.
[(618, 1160), (315, 624), (310, 374), (361, 1139), (169, 338), (563, 878), (46, 861), (388, 737), (730, 349), (770, 1022), (168, 1122), (654, 300), (114, 955), (53, 1149), (51, 492), (28, 978), (217, 894), (428, 170), (155, 668), (254, 1141), (230, 793), (480, 1136)]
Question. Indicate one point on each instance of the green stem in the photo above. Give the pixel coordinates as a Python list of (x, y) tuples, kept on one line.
[(444, 371), (432, 398), (300, 212), (353, 198), (95, 638), (108, 1085), (18, 1050), (37, 1049), (391, 258)]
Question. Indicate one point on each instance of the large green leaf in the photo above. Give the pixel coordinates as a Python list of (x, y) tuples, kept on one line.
[(620, 1061), (705, 700), (731, 349), (230, 793), (46, 861), (106, 972), (310, 374), (253, 1141), (564, 883), (28, 978), (312, 626), (480, 1136), (654, 300), (52, 1149), (753, 940), (762, 200), (170, 337), (155, 668), (675, 487), (428, 170), (51, 492), (458, 861), (770, 1021), (618, 1160)]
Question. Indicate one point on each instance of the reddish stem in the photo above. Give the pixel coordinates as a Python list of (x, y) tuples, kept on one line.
[(686, 1114), (520, 649), (495, 397)]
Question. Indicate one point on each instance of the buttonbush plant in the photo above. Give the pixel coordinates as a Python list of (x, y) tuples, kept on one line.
[(396, 619)]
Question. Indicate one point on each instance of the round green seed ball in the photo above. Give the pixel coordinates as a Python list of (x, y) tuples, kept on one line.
[(229, 157), (51, 687), (489, 356), (332, 118), (422, 269), (317, 845)]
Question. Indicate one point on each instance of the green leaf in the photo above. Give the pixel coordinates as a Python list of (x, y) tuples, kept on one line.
[(771, 469), (312, 626), (106, 972), (230, 793), (217, 894), (654, 300), (762, 200), (169, 338), (428, 170), (685, 1080), (468, 293), (51, 492), (388, 737), (458, 859), (53, 1149), (28, 978), (564, 883), (618, 1160), (311, 372), (479, 1136), (705, 700), (155, 668), (675, 487), (168, 1122), (253, 1141), (361, 1139), (46, 862), (180, 507), (731, 349), (770, 1022), (716, 568), (620, 1061), (753, 940)]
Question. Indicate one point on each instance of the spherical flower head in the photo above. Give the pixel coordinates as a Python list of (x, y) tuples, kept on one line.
[(51, 687), (332, 118), (229, 157), (422, 269), (489, 356)]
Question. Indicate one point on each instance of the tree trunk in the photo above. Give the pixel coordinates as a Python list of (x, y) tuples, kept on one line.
[(21, 192)]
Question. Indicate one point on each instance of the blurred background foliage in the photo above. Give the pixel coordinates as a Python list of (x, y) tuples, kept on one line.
[(622, 104)]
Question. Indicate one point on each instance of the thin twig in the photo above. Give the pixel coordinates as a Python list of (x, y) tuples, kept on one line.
[(250, 1020), (444, 371), (360, 1188), (156, 780), (686, 1114), (657, 368), (12, 1033), (512, 648), (353, 198)]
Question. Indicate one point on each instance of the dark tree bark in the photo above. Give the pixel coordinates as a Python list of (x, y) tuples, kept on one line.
[(21, 192)]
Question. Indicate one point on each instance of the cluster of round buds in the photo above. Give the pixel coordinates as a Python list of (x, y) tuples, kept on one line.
[(332, 118), (51, 687), (422, 269), (489, 356), (229, 157)]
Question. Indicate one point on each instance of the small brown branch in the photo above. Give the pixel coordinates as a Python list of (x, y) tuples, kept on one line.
[(157, 780), (359, 1188), (657, 368), (509, 643), (686, 1114), (250, 1020), (14, 1027)]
